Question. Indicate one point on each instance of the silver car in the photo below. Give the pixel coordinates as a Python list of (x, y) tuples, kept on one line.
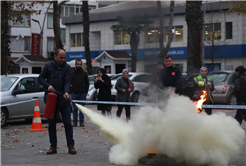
[(224, 86), (19, 88)]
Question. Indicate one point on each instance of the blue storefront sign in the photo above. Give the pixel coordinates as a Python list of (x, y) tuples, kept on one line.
[(176, 52)]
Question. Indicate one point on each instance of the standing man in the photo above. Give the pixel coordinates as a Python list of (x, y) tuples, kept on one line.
[(56, 76), (204, 83), (240, 92), (170, 76), (155, 76), (79, 89)]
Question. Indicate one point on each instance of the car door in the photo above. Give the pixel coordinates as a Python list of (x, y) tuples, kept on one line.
[(28, 88), (141, 82)]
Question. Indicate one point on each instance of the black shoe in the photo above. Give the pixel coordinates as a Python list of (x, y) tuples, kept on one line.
[(71, 150), (51, 151), (81, 123)]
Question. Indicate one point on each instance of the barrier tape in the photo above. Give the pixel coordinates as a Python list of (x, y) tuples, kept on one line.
[(135, 104)]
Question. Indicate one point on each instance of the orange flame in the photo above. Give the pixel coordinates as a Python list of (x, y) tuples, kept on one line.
[(202, 99)]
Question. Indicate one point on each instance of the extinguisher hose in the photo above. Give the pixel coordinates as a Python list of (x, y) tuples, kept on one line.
[(62, 95)]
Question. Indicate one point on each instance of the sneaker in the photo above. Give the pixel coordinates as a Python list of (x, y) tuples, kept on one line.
[(71, 150), (81, 123), (74, 124), (51, 151)]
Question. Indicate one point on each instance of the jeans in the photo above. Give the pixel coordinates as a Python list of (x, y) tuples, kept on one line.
[(66, 114), (75, 109)]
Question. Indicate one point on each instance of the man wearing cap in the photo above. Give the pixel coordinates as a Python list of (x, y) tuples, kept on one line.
[(204, 83)]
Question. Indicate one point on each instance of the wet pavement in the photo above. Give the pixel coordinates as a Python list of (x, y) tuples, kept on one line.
[(22, 147)]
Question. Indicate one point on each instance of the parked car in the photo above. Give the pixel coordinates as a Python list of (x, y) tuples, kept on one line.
[(188, 84), (18, 88), (140, 80), (92, 92), (224, 86)]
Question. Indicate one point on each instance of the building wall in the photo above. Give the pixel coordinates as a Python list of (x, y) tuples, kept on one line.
[(148, 52)]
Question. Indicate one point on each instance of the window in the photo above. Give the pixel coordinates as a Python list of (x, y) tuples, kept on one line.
[(152, 35), (63, 36), (121, 37), (71, 11), (76, 40), (27, 85), (25, 22), (20, 45), (142, 78), (51, 44), (50, 20), (177, 32), (228, 30), (213, 29)]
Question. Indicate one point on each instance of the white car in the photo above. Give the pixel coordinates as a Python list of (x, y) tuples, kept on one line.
[(140, 80)]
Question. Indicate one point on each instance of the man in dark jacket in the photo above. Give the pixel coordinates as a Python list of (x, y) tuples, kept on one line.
[(79, 89), (170, 76), (240, 92), (103, 83), (56, 76), (155, 76)]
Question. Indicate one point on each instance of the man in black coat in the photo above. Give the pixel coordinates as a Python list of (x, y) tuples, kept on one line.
[(155, 76), (240, 92), (79, 89), (56, 76), (103, 83), (170, 76)]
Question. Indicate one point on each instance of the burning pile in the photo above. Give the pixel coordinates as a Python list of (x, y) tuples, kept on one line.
[(175, 130)]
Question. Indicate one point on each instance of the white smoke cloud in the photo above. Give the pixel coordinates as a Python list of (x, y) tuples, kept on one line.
[(175, 130)]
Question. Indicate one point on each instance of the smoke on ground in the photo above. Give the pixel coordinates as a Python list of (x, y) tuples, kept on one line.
[(176, 130)]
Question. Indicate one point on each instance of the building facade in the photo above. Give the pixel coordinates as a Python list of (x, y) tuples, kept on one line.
[(228, 29), (25, 38)]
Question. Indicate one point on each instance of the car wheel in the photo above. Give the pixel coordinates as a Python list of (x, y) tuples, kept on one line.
[(135, 96), (4, 116), (232, 100), (94, 98)]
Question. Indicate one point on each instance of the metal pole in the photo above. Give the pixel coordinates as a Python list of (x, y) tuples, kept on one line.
[(42, 30), (203, 34)]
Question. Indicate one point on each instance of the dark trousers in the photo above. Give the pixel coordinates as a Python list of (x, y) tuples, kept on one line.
[(241, 114), (66, 118), (108, 112), (127, 108)]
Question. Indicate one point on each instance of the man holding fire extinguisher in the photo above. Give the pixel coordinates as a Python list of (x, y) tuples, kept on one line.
[(56, 76)]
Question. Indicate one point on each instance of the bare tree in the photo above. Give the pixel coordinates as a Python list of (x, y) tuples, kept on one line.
[(164, 50), (194, 22), (86, 25), (56, 23)]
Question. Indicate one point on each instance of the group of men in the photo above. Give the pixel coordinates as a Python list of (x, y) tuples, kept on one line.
[(57, 76)]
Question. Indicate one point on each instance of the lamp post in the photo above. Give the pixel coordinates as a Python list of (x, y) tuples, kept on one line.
[(42, 29)]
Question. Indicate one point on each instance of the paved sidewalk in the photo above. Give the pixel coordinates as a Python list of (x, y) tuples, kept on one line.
[(22, 147)]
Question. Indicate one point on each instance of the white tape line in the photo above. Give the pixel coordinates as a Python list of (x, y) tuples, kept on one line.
[(37, 120)]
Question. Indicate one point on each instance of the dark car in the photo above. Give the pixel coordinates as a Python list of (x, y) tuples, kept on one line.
[(188, 84)]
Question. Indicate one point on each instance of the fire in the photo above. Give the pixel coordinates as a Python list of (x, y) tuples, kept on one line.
[(200, 102)]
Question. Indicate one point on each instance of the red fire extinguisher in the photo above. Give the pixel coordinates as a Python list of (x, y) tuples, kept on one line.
[(50, 106)]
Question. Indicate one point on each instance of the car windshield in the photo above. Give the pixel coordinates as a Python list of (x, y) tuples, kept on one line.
[(7, 82), (219, 77), (92, 79)]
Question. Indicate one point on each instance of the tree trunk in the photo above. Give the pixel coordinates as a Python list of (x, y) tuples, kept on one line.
[(163, 50), (56, 25), (134, 42), (194, 23), (212, 54), (5, 51), (86, 25), (161, 36)]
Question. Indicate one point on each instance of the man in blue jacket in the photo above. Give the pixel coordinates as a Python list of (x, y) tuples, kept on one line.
[(56, 76)]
